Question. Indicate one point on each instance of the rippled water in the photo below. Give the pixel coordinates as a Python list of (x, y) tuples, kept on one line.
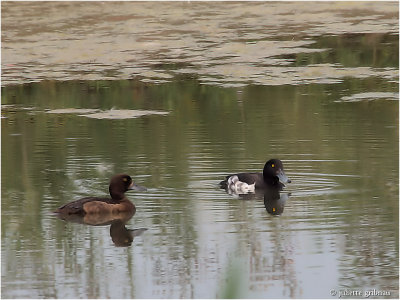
[(324, 103)]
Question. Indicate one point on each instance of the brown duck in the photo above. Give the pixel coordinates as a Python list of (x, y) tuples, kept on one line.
[(119, 184)]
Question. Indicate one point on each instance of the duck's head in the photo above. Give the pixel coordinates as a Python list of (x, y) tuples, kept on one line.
[(121, 183), (273, 173)]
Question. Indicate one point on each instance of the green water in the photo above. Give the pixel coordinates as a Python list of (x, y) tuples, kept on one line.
[(340, 219), (322, 97)]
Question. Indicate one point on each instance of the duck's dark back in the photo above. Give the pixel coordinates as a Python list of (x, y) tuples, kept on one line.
[(76, 207)]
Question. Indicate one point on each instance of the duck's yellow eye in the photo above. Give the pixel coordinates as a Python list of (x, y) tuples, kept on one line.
[(125, 179), (273, 165)]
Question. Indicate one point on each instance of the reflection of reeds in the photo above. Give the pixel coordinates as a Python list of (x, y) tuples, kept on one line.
[(234, 283)]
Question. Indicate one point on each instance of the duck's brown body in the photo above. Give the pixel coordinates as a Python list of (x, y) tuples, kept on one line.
[(118, 203), (96, 207), (92, 205)]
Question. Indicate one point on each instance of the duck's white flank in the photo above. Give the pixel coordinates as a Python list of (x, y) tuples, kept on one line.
[(238, 187)]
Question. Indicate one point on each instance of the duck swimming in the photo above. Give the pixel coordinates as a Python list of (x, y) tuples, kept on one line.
[(272, 176), (119, 184)]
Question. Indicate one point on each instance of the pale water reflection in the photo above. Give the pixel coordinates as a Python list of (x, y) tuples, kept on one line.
[(188, 96)]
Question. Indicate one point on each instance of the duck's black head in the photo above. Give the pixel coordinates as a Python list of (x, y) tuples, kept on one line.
[(121, 183), (273, 173)]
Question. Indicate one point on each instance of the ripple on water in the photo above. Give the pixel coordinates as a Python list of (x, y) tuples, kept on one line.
[(114, 114), (369, 97), (314, 184)]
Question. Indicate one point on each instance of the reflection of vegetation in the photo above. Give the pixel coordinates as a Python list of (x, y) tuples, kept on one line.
[(353, 50), (233, 285), (47, 158)]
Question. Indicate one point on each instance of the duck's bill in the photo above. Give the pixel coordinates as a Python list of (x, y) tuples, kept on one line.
[(282, 177), (136, 187)]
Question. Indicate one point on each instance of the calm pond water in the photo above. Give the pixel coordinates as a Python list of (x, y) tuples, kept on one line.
[(325, 104)]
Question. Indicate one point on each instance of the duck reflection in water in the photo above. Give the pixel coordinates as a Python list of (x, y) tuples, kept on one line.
[(266, 185), (120, 235), (274, 199), (274, 202)]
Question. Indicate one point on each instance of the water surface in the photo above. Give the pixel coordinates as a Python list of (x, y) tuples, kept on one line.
[(321, 96), (340, 218)]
